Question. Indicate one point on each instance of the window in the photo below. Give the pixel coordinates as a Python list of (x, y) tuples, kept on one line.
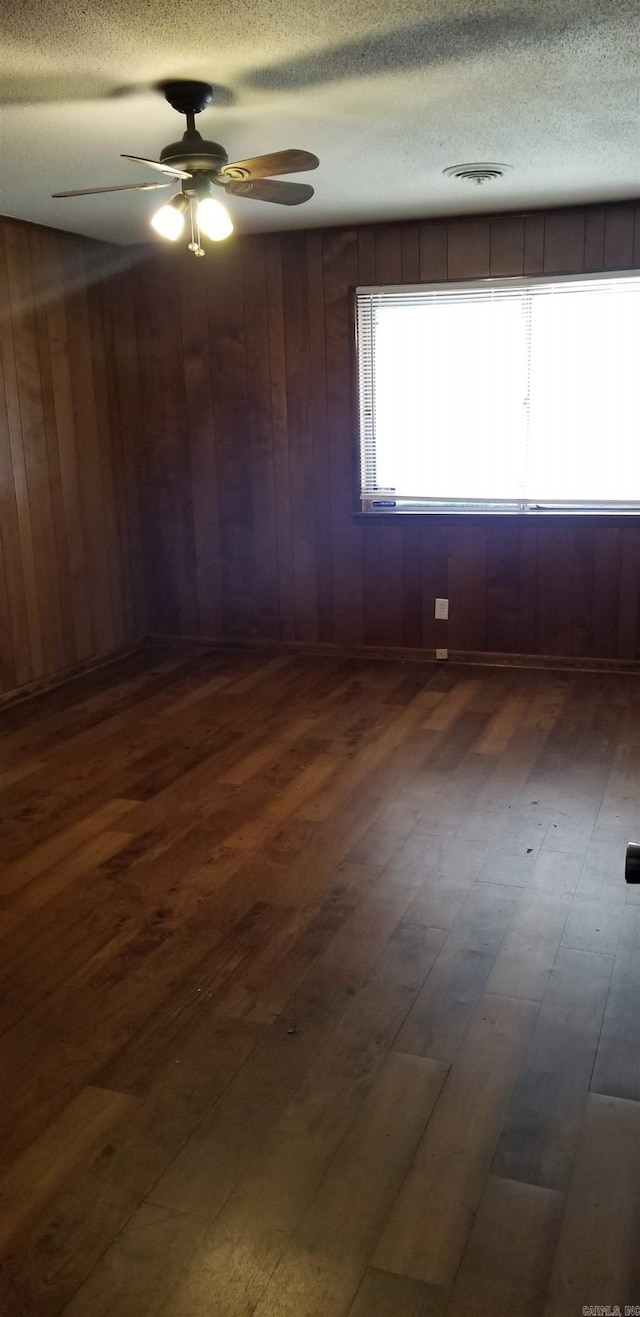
[(500, 395)]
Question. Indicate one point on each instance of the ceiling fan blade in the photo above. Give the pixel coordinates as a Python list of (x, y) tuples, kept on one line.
[(266, 166), (119, 187), (285, 194), (157, 164)]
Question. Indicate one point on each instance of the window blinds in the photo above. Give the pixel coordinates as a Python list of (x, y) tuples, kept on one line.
[(514, 395)]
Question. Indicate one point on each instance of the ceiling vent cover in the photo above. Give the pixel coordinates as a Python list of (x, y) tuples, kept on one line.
[(478, 173)]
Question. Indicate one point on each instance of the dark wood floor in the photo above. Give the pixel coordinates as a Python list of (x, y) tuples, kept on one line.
[(320, 991)]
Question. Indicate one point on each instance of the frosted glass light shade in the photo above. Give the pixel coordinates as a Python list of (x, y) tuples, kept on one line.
[(214, 220), (168, 221)]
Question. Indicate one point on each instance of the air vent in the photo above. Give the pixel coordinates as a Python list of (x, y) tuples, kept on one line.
[(477, 173)]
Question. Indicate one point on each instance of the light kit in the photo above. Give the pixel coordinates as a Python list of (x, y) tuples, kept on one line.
[(206, 216)]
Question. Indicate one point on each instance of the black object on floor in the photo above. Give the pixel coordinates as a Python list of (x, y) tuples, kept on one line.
[(632, 863)]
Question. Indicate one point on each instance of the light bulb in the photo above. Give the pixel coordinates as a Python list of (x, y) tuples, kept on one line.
[(168, 221), (214, 220)]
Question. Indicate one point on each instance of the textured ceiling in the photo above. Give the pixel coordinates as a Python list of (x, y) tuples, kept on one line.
[(386, 95)]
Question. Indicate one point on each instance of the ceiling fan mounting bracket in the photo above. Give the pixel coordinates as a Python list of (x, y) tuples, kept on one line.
[(187, 97)]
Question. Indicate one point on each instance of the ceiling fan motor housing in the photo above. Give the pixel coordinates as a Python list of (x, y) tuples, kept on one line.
[(194, 152)]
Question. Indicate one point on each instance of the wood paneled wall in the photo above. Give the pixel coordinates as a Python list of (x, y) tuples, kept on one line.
[(182, 432), (247, 369), (71, 559)]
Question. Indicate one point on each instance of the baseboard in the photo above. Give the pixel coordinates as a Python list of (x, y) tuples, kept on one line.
[(403, 654), (53, 680), (317, 649)]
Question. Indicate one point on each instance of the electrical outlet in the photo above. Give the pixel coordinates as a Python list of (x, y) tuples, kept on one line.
[(442, 610), (442, 653)]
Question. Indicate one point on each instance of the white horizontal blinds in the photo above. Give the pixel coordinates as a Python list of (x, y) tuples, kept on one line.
[(487, 290), (584, 412), (500, 394), (366, 387)]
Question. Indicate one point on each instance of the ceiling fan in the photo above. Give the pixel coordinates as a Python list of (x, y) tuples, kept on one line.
[(203, 165)]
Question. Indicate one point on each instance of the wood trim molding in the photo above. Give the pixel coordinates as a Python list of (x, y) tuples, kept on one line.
[(55, 679), (402, 654)]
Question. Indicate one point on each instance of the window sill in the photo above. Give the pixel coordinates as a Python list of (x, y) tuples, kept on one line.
[(560, 514)]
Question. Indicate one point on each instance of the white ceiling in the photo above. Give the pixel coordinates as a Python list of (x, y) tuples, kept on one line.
[(386, 95)]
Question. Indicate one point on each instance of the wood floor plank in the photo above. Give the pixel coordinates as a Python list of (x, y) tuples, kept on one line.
[(79, 1128), (62, 843), (593, 925), (427, 1229), (88, 1208), (617, 1065), (138, 1271), (600, 876), (597, 1252), (70, 917), (438, 902), (321, 1269), (386, 1295), (213, 1162), (542, 1125), (506, 1264), (526, 958), (391, 828), (440, 1017), (64, 1044), (33, 897), (305, 1135), (556, 871), (262, 987), (17, 773), (41, 946), (484, 918), (373, 754)]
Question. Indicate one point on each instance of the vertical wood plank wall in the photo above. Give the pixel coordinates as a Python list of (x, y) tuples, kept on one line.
[(71, 554), (197, 418), (247, 369)]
